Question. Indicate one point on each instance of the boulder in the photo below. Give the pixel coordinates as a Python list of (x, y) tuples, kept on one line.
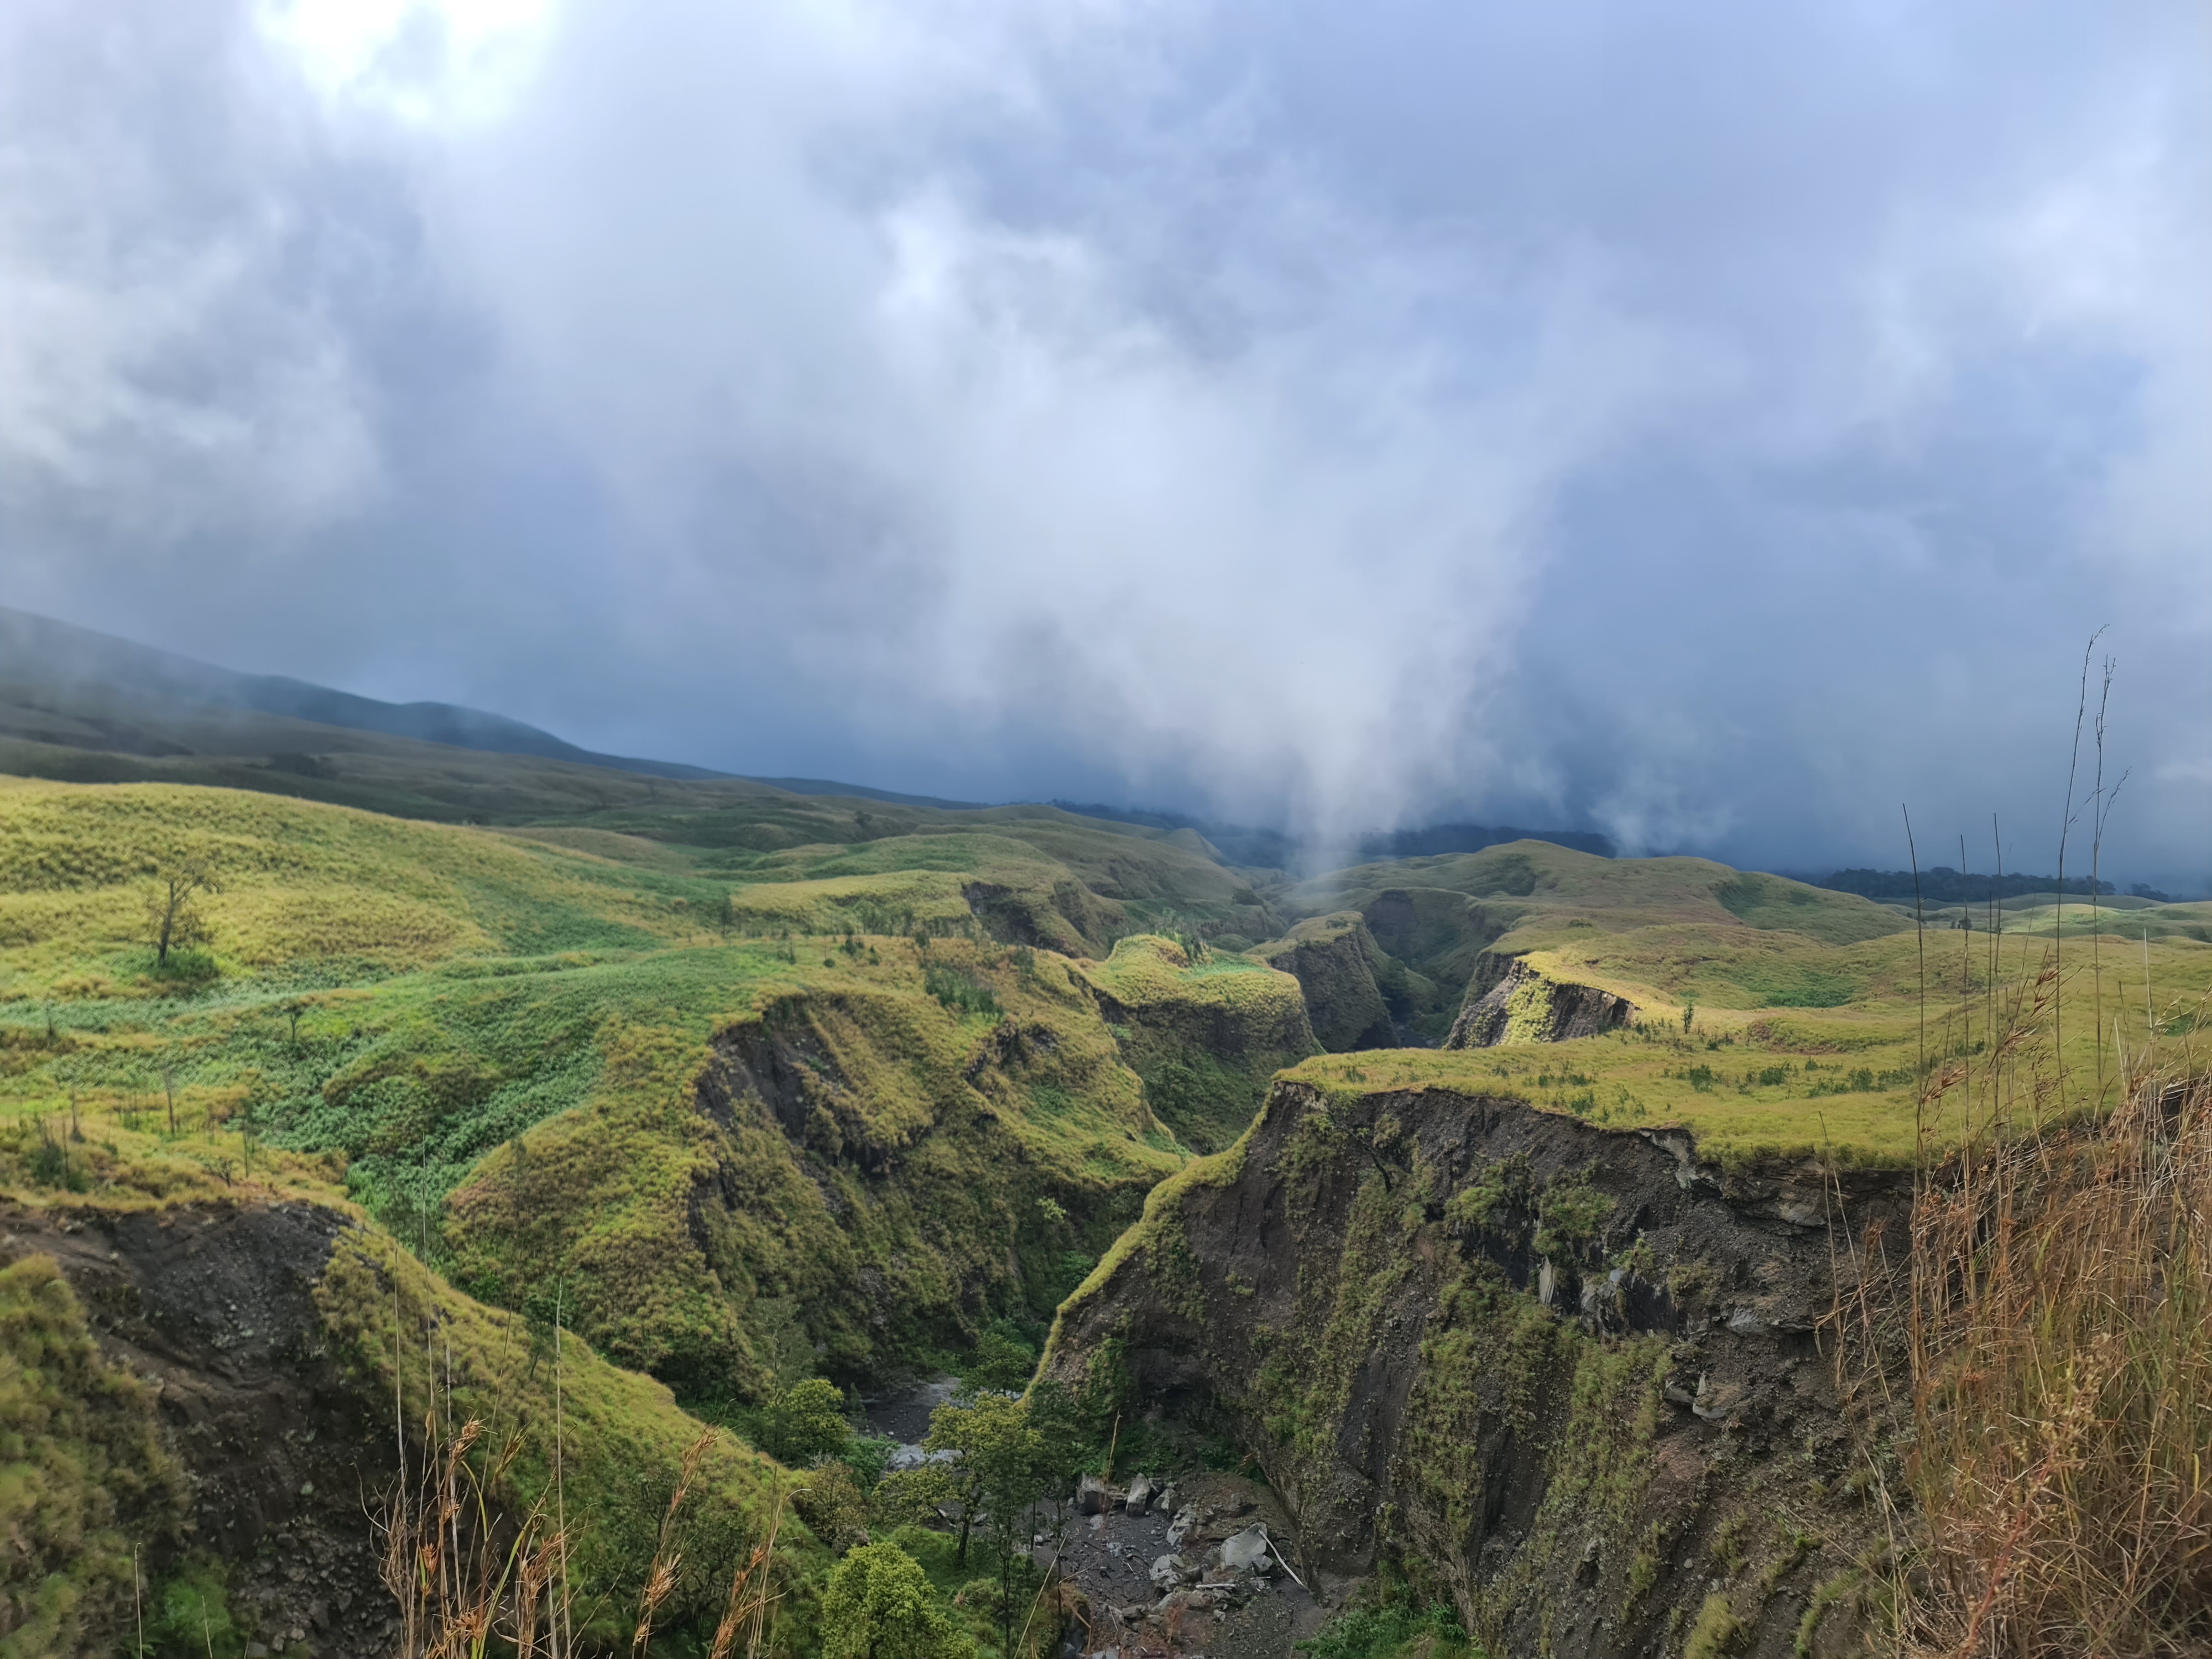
[(1180, 1527), (1089, 1495), (1172, 1573), (1245, 1551), (1140, 1496), (1165, 1503)]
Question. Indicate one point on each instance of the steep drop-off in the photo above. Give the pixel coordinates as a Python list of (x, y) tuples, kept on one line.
[(1511, 1002), (1566, 1377), (1204, 1035), (243, 1363), (1339, 970)]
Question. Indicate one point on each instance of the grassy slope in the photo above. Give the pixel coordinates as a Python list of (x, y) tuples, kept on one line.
[(93, 1442), (1799, 1046), (523, 1015)]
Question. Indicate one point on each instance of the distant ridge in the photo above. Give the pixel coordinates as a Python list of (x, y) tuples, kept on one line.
[(862, 792), (34, 647), (1273, 849), (1942, 885), (1440, 838)]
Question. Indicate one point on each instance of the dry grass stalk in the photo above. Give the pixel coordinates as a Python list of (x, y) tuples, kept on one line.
[(661, 1578), (752, 1595), (2040, 1365)]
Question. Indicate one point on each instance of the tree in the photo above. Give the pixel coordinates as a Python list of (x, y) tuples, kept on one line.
[(807, 1421), (173, 915), (999, 1471), (879, 1606)]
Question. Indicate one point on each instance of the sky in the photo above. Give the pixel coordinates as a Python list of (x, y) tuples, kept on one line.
[(1715, 424)]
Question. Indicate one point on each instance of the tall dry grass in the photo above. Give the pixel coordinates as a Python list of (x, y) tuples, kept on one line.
[(2034, 1367), (472, 1578)]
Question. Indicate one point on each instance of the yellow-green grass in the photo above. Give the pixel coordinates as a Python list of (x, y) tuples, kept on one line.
[(1613, 894), (403, 1054), (903, 902), (1147, 969), (83, 1477), (974, 1117), (1206, 1036), (582, 1071), (623, 1434), (302, 883), (1751, 1080), (401, 1330)]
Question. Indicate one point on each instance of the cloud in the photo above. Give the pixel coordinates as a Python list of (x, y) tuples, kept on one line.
[(1712, 426)]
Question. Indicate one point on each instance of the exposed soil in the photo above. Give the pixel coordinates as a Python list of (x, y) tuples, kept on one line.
[(212, 1305)]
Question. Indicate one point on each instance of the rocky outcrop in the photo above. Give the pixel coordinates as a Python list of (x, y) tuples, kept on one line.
[(1333, 960), (1509, 1001), (1567, 1377)]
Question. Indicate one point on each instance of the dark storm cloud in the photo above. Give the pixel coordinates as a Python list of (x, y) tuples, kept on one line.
[(1713, 424)]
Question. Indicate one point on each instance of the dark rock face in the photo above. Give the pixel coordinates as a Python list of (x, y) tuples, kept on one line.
[(1333, 960), (213, 1305), (1568, 1378), (1512, 1001)]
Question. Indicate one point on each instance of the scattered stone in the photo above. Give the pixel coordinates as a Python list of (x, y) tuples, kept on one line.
[(1171, 1572), (1180, 1527)]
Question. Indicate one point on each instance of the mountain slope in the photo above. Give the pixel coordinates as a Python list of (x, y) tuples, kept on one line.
[(62, 658)]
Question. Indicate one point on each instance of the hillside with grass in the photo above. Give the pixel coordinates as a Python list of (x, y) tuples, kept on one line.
[(733, 1091), (577, 1053)]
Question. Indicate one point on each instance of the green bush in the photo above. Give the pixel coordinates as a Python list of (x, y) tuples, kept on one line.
[(879, 1605), (806, 1421)]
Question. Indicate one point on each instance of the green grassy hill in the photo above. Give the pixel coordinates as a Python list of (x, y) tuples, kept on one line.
[(521, 1045)]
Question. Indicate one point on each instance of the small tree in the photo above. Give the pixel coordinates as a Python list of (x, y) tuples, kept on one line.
[(879, 1606), (998, 1473), (833, 1506), (173, 914)]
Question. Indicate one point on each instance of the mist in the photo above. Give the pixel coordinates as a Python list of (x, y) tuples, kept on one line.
[(1713, 427)]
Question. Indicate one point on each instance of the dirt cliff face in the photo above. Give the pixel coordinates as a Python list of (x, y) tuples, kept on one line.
[(212, 1305), (1334, 961), (1567, 1377)]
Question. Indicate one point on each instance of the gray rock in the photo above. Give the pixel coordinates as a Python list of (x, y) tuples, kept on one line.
[(1179, 1528), (1171, 1572), (1089, 1495), (1245, 1551), (1165, 1504), (1140, 1496)]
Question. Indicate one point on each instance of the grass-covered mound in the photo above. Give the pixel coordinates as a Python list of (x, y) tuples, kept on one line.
[(1761, 1044), (855, 1168), (1205, 1029)]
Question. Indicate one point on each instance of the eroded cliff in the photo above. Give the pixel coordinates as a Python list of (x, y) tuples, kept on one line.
[(1567, 1377)]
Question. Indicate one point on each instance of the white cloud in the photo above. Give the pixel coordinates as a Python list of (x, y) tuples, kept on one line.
[(1705, 425)]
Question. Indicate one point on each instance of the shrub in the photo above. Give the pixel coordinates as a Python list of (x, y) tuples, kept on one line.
[(879, 1605), (806, 1421)]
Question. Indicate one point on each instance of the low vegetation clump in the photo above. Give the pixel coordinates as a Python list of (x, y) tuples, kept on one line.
[(1390, 1621), (84, 1482)]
